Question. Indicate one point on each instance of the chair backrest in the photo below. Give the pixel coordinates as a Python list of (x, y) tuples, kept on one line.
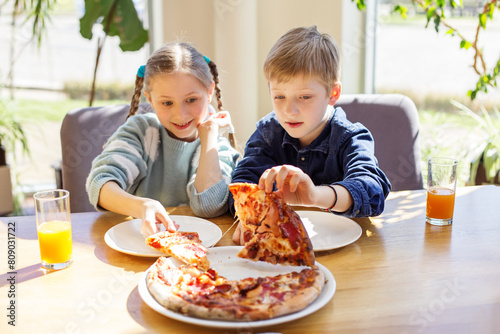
[(393, 121), (84, 131)]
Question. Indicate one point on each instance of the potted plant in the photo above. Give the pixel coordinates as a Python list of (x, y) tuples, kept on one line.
[(485, 167), (11, 135)]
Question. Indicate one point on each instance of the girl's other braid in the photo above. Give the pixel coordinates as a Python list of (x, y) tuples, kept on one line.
[(215, 74), (136, 98)]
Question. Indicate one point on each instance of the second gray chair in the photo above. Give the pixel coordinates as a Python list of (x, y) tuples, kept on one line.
[(393, 121)]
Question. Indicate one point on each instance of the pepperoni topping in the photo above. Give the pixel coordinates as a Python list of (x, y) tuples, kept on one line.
[(291, 232)]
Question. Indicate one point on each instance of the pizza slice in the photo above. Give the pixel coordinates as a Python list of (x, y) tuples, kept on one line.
[(184, 246), (272, 231)]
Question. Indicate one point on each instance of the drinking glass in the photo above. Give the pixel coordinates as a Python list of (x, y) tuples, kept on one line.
[(441, 186), (53, 222)]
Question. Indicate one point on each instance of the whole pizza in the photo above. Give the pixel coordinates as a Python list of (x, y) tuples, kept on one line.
[(274, 233)]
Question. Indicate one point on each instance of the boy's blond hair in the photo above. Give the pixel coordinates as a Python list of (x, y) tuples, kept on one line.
[(304, 51)]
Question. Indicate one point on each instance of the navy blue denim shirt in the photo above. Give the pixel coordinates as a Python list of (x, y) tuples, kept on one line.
[(342, 154)]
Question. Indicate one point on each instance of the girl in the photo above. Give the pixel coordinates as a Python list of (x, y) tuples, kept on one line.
[(173, 156)]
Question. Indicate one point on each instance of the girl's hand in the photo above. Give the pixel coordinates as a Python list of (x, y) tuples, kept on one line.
[(153, 215), (292, 183), (221, 121)]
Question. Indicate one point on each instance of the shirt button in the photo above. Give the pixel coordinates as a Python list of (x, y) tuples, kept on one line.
[(302, 159), (357, 212)]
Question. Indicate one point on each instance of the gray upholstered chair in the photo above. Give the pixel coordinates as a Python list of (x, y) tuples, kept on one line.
[(84, 131), (393, 121), (391, 118)]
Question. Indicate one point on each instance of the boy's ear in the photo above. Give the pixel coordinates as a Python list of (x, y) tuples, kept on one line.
[(335, 93)]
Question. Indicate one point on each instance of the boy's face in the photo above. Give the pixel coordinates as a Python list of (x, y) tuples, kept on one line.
[(301, 106)]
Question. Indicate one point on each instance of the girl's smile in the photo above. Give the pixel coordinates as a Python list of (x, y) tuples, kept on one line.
[(182, 126)]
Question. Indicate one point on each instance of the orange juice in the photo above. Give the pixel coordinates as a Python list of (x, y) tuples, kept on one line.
[(440, 203), (55, 241)]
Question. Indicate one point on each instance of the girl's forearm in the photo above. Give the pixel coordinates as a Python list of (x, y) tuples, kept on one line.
[(115, 199), (209, 172)]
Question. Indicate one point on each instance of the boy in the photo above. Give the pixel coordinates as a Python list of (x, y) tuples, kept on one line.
[(307, 147)]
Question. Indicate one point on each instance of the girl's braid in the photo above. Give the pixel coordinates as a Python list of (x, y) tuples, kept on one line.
[(215, 75), (136, 98)]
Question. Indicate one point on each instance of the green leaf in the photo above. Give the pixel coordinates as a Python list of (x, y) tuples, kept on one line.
[(465, 44), (123, 23), (454, 4), (402, 10), (482, 20), (491, 10), (360, 4), (437, 21), (430, 15)]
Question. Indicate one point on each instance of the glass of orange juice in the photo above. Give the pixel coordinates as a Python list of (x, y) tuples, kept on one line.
[(53, 222), (441, 186)]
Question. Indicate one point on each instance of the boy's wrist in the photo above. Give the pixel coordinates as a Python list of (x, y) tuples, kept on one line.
[(325, 197)]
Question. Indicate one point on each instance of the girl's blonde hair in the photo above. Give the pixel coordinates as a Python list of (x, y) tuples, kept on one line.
[(304, 51)]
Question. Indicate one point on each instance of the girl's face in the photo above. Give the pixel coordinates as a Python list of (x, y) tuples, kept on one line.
[(181, 102), (301, 106)]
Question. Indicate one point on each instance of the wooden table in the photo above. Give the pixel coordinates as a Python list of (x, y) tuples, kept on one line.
[(401, 276)]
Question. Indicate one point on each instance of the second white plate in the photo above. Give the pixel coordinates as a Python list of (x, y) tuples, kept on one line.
[(126, 237), (328, 231)]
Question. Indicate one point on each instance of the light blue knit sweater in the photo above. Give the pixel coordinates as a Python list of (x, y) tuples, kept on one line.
[(145, 161)]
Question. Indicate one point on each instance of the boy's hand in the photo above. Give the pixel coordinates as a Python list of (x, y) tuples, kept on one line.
[(238, 236), (153, 215), (292, 183)]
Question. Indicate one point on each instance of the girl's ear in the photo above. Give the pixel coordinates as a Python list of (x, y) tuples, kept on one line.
[(146, 94), (335, 93), (211, 91)]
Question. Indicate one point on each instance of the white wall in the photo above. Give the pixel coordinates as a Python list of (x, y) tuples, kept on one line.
[(237, 35)]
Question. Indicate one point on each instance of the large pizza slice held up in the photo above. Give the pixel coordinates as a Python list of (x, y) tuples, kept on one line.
[(272, 230)]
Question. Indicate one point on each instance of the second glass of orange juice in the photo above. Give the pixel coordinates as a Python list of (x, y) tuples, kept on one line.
[(54, 228), (441, 186)]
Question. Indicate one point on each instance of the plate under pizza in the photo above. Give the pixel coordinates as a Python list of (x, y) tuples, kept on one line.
[(225, 261), (127, 238)]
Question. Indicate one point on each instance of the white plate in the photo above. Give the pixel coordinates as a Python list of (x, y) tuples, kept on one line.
[(328, 231), (126, 237), (227, 264)]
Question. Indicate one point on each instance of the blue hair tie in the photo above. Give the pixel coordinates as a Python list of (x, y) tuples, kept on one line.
[(207, 59), (141, 71)]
